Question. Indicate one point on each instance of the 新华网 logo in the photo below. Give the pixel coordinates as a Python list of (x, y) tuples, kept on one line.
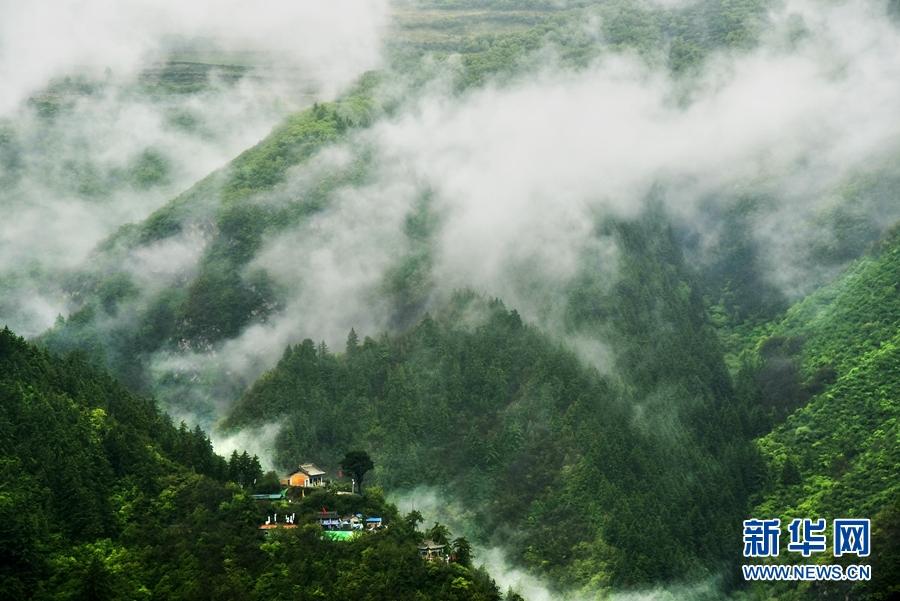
[(807, 537)]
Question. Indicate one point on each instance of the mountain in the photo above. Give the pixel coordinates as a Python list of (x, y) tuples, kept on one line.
[(831, 364), (211, 288), (102, 498), (604, 277), (500, 418), (81, 455)]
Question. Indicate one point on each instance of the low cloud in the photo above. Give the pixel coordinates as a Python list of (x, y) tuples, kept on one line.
[(518, 176), (105, 159), (67, 159), (521, 172), (326, 43), (436, 506), (258, 441), (509, 576)]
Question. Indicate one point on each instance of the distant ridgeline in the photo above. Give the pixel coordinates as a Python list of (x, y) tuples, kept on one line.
[(102, 498), (223, 295)]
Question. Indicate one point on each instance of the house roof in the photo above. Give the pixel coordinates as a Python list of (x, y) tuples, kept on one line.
[(311, 469), (270, 497), (430, 545)]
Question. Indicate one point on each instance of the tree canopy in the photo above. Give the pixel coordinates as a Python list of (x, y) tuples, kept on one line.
[(357, 463)]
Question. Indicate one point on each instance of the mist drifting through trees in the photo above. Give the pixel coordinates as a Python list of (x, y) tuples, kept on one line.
[(590, 281)]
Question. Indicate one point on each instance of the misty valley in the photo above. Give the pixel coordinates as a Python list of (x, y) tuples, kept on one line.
[(442, 299)]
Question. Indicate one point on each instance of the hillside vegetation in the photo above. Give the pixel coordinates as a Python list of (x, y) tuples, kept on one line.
[(713, 351), (652, 466), (102, 498), (836, 354), (229, 212)]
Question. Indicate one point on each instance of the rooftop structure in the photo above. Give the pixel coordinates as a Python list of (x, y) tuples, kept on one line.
[(278, 496), (307, 475), (432, 551)]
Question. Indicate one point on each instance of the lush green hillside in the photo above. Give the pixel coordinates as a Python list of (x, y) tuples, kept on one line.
[(652, 465), (218, 299), (837, 353), (77, 448), (471, 401), (122, 324), (102, 498), (631, 469)]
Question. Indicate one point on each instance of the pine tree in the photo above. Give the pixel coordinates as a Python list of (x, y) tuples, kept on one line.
[(352, 342)]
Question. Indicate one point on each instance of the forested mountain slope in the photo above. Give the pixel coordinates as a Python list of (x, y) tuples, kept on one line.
[(652, 463), (101, 498), (207, 287), (214, 299), (837, 354), (590, 391), (80, 454)]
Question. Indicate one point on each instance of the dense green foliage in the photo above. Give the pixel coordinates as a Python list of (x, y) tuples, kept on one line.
[(357, 463), (73, 442), (230, 207), (620, 449), (838, 352), (632, 470), (102, 498), (501, 418), (219, 298)]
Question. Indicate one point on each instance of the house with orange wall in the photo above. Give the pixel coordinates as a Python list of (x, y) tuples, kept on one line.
[(308, 475)]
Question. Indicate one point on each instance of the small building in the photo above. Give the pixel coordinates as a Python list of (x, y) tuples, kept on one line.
[(432, 551), (352, 522), (329, 520), (308, 475), (373, 523), (278, 496)]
